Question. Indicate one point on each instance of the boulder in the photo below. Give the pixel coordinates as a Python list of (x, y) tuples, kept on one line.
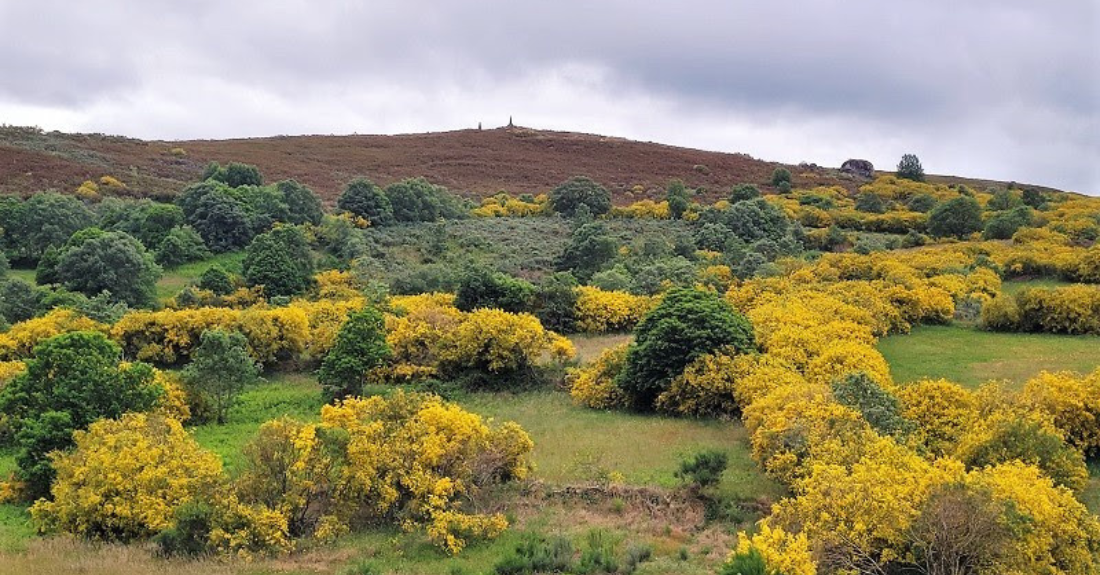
[(859, 168)]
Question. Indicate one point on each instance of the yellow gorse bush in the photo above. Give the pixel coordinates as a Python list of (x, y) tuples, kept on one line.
[(126, 477)]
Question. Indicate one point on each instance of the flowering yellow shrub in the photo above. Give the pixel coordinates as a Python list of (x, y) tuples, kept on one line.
[(10, 369), (247, 530), (594, 385), (644, 209), (942, 410), (503, 205), (419, 455), (1062, 536), (788, 422), (1071, 401), (600, 311), (274, 334), (783, 552), (705, 388), (20, 339), (173, 401), (495, 341), (868, 508), (337, 285), (125, 478), (325, 318), (168, 336)]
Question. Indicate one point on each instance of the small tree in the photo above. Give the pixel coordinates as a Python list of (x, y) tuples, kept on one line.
[(677, 197), (743, 192), (483, 288), (360, 347), (590, 248), (418, 200), (879, 407), (687, 323), (303, 206), (1034, 198), (780, 177), (909, 168), (958, 217), (182, 245), (363, 198), (220, 369), (72, 380), (570, 195), (280, 261), (922, 203), (870, 202), (556, 302), (217, 280), (1004, 224)]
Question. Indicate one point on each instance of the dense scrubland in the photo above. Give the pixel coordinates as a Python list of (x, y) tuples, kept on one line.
[(897, 376)]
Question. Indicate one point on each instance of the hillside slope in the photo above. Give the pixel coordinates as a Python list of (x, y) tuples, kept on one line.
[(470, 162)]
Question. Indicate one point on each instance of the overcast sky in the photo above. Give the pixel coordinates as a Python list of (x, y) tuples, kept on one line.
[(1005, 89)]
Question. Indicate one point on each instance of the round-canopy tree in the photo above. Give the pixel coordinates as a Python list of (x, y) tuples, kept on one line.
[(280, 261), (688, 323), (302, 204), (363, 198), (113, 262), (360, 346), (580, 190), (958, 217)]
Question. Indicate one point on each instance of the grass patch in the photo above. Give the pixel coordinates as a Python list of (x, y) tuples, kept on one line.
[(572, 442), (283, 395), (589, 347), (972, 357), (177, 278), (1013, 287), (26, 275)]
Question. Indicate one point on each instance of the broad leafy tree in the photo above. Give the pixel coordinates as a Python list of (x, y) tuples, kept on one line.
[(360, 347), (363, 198), (114, 262), (219, 371), (578, 191), (280, 261)]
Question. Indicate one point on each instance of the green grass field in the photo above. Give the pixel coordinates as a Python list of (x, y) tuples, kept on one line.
[(26, 275), (971, 356), (1012, 287), (175, 279)]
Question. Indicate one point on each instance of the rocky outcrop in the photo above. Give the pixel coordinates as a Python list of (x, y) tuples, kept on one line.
[(859, 168)]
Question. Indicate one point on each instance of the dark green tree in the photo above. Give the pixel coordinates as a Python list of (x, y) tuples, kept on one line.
[(483, 288), (678, 199), (217, 280), (958, 217), (220, 219), (360, 347), (1034, 198), (42, 221), (909, 168), (756, 219), (233, 174), (182, 245), (280, 261), (1004, 224), (303, 206), (418, 200), (922, 203), (556, 302), (686, 324), (113, 262), (1033, 444), (219, 371), (871, 203), (1003, 200), (18, 300), (578, 191), (743, 192), (781, 176), (590, 248), (366, 200)]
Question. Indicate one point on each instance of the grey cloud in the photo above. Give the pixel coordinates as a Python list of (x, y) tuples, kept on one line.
[(1013, 84)]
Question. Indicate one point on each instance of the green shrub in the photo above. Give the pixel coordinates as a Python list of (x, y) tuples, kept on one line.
[(578, 191), (703, 470), (743, 192), (687, 323), (189, 534), (482, 288), (958, 217), (781, 176), (280, 261), (363, 198), (181, 245), (880, 408), (219, 371)]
